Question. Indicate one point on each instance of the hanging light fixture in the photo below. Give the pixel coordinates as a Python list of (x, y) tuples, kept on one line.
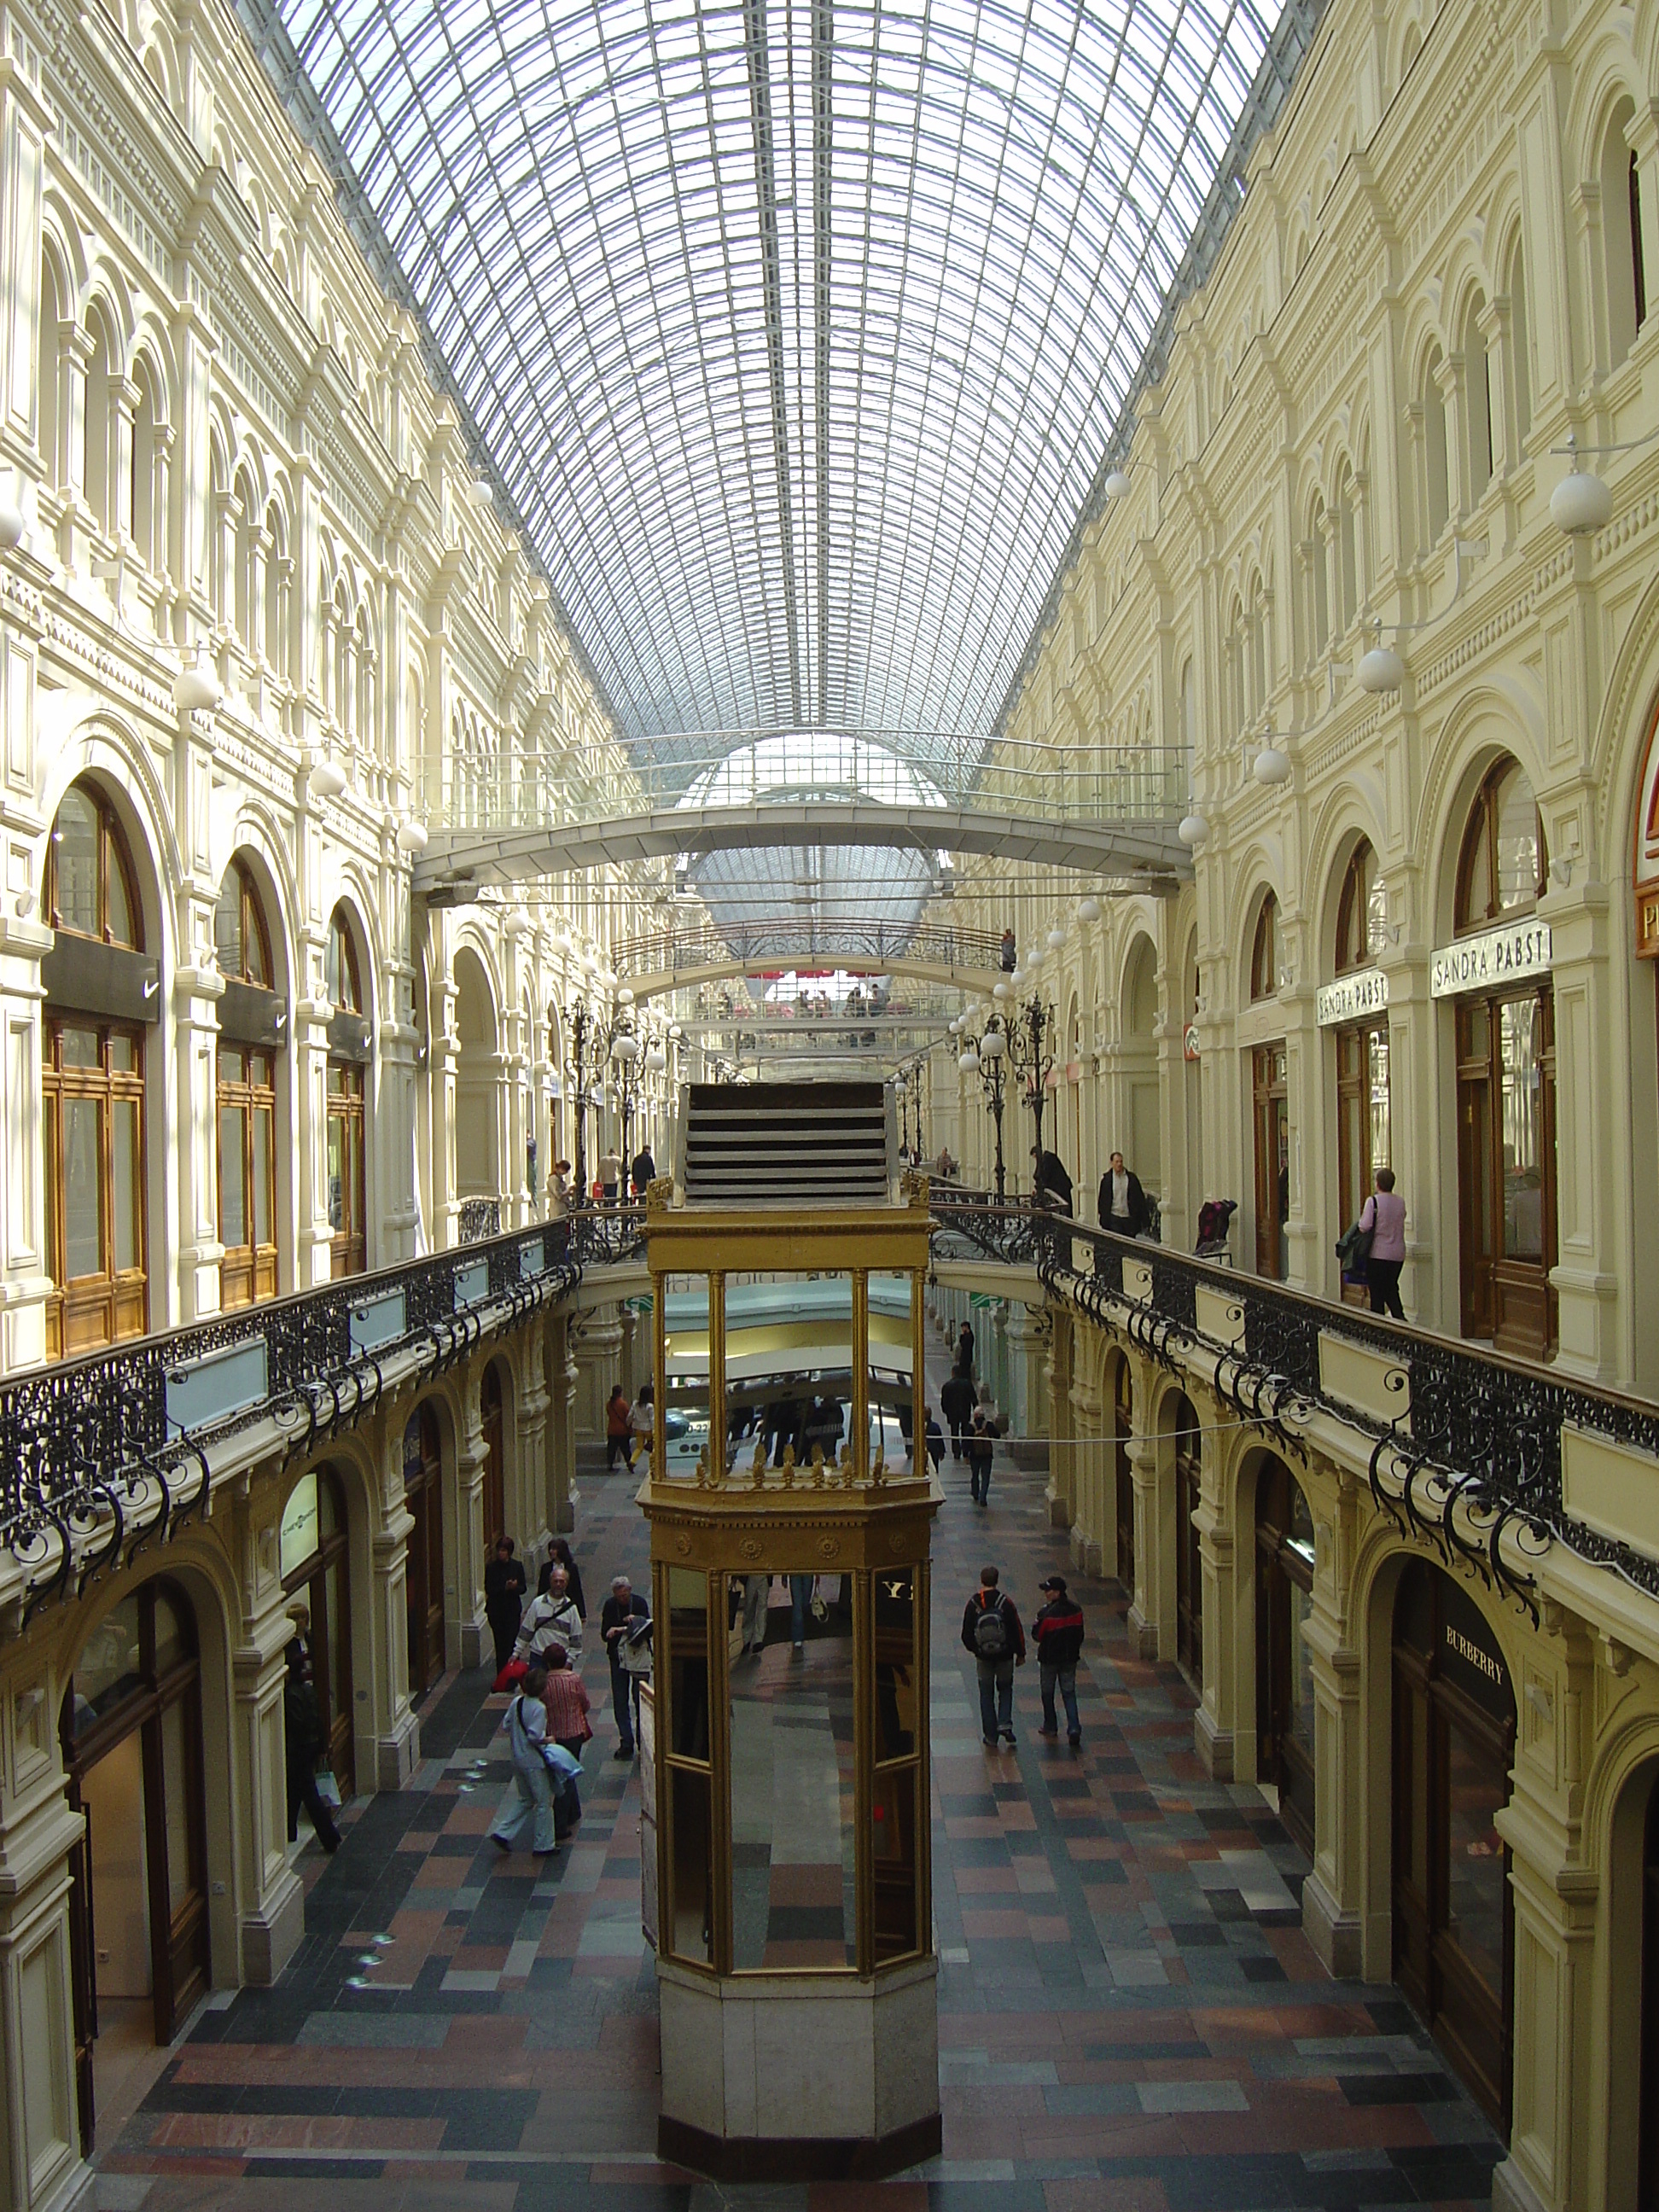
[(327, 780), (1089, 908), (969, 1061), (1271, 766), (1380, 670), (412, 837), (1117, 484), (196, 690), (999, 991), (993, 1044), (12, 525), (1191, 829), (655, 1059), (1581, 502), (1056, 939)]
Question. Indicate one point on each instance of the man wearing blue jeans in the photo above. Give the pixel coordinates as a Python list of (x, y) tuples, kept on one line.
[(992, 1634), (1058, 1629)]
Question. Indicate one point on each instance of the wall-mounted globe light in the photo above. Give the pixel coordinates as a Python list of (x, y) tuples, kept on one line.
[(326, 780), (1056, 939), (1117, 484), (1380, 670), (412, 837), (1271, 766), (1191, 829), (1088, 909), (196, 691), (1581, 502)]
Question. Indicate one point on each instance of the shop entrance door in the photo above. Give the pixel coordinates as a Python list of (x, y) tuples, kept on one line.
[(1284, 1681), (423, 1573), (1273, 1162), (493, 1499), (1190, 1572), (131, 1733), (315, 1553), (1454, 1742)]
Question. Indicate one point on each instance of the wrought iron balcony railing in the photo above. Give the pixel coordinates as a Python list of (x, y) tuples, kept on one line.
[(1474, 1459), (101, 1454)]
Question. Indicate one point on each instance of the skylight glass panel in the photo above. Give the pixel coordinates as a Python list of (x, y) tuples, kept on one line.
[(799, 330)]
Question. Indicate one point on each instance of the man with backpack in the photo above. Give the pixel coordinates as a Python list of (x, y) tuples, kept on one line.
[(1058, 1632), (992, 1634)]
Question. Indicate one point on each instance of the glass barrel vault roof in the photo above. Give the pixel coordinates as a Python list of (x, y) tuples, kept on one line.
[(796, 331)]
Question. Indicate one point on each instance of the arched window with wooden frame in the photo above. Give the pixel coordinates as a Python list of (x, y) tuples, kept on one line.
[(101, 995), (1624, 274), (1264, 952), (349, 1039), (1505, 1045), (1362, 1133), (249, 1035)]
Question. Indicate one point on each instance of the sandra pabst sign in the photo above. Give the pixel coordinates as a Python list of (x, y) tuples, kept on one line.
[(1495, 957)]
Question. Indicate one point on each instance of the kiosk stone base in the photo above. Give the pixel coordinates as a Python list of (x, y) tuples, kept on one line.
[(793, 2077)]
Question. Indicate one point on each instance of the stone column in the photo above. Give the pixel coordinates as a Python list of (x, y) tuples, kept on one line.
[(468, 1530), (1028, 1334), (598, 1359), (1060, 1495), (1555, 1894), (1215, 1725), (563, 1497), (43, 2170), (397, 1726), (1150, 1622), (1090, 1458), (1332, 1896)]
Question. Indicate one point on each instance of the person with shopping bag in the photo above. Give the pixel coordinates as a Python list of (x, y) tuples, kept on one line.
[(543, 1798)]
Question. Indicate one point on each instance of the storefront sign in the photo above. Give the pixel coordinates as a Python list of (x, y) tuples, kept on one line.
[(1189, 1042), (1491, 960), (1350, 998)]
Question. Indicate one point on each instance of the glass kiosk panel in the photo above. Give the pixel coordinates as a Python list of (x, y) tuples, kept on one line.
[(689, 1920), (794, 1891)]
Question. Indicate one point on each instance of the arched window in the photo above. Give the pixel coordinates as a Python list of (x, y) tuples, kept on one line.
[(1505, 1084), (1347, 553), (1266, 972), (1319, 556), (1504, 866), (247, 1106), (1624, 277), (347, 1056), (1437, 512), (92, 1086), (1362, 912), (147, 492), (101, 370)]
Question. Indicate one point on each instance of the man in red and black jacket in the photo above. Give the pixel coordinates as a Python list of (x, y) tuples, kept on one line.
[(1058, 1629), (991, 1633)]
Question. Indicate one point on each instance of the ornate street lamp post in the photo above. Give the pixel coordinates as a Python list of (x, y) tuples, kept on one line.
[(985, 1057), (578, 1027), (1031, 1049)]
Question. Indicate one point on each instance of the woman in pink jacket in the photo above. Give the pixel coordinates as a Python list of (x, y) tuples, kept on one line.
[(1384, 1215)]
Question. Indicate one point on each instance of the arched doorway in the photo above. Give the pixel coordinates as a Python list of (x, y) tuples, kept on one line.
[(101, 996), (1123, 1428), (252, 1021), (350, 1043), (314, 1548), (1189, 1574), (1454, 1743), (1284, 1679), (423, 1573), (131, 1728), (1498, 971), (493, 1499), (477, 1080), (1142, 1142)]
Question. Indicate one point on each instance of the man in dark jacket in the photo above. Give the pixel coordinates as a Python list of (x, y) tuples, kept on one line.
[(619, 1616), (1050, 1184), (1122, 1203), (966, 1349), (643, 1171), (934, 1442), (1058, 1632), (981, 1450), (993, 1636), (955, 1403), (302, 1728)]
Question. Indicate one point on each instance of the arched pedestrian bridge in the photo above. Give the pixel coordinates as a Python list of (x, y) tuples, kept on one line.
[(925, 952), (1102, 811)]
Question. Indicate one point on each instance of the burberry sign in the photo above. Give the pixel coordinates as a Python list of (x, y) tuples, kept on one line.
[(1493, 958)]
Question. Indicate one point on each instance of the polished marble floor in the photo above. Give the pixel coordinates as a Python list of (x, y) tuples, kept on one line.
[(1130, 2016)]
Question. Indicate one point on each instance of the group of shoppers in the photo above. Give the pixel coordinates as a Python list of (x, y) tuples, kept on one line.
[(970, 1414)]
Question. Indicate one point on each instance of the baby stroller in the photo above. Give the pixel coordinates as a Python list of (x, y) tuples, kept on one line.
[(1214, 1222)]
